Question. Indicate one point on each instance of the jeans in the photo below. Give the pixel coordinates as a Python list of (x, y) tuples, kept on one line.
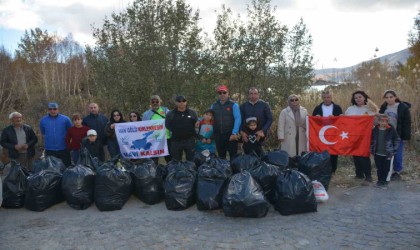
[(179, 146), (398, 158), (363, 166), (75, 156), (223, 145)]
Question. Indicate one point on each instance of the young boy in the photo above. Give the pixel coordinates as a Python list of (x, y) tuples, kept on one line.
[(384, 145), (94, 147), (253, 142), (205, 133), (75, 136)]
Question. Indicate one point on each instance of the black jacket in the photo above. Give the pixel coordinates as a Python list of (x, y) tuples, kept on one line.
[(404, 119), (336, 110), (181, 124), (9, 140)]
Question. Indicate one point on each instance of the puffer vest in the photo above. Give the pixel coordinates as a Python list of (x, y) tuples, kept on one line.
[(223, 117)]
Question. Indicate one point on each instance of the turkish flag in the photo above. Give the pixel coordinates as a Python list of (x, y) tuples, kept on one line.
[(340, 135)]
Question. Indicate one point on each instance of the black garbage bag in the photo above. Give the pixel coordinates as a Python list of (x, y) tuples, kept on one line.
[(202, 157), (48, 162), (294, 193), (266, 175), (244, 197), (180, 185), (113, 186), (14, 186), (148, 181), (44, 190), (294, 162), (86, 159), (317, 166), (213, 177), (278, 158), (78, 185), (244, 162)]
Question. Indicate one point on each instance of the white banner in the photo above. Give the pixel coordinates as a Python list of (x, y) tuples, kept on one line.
[(143, 139)]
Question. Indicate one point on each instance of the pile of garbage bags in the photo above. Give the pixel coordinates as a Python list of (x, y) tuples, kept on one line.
[(242, 187)]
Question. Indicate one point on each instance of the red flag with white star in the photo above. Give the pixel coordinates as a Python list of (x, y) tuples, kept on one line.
[(340, 135)]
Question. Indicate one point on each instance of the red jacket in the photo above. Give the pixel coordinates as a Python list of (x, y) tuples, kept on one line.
[(75, 136)]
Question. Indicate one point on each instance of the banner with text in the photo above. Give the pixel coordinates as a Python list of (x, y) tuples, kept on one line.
[(143, 139)]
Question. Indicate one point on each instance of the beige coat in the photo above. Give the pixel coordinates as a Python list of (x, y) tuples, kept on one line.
[(286, 130)]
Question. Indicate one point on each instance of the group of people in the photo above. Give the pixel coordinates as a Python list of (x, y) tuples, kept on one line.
[(221, 128)]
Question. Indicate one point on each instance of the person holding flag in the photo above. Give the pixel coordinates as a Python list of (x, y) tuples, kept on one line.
[(362, 105), (326, 109)]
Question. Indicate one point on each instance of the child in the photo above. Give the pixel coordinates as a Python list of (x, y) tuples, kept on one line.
[(94, 147), (75, 136), (384, 145), (253, 142), (205, 133)]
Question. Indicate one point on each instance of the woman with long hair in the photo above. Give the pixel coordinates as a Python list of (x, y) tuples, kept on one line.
[(116, 117), (400, 118), (362, 105)]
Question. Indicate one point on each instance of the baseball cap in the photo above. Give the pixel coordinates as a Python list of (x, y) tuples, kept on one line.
[(52, 105), (155, 97), (180, 98), (222, 88), (91, 132)]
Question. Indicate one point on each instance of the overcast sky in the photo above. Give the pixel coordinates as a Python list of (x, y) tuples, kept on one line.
[(344, 32)]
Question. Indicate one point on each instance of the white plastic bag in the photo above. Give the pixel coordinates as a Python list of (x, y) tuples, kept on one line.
[(320, 192)]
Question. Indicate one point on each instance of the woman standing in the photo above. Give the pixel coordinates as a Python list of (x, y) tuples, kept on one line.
[(400, 118), (291, 130), (113, 148), (362, 105), (134, 116)]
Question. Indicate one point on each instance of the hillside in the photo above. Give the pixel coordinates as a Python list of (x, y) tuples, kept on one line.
[(339, 74)]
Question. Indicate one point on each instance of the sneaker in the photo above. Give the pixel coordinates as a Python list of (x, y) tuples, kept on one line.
[(395, 177), (359, 177), (368, 179)]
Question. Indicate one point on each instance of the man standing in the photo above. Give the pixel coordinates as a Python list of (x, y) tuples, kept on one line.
[(96, 121), (325, 109), (259, 109), (54, 128), (19, 139), (158, 112), (227, 122), (181, 123)]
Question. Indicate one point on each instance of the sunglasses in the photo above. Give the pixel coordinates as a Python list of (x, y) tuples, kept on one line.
[(294, 100), (133, 115), (155, 101), (52, 108), (222, 93), (182, 101), (115, 115)]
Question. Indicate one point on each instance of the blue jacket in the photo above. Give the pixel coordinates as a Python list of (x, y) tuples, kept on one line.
[(261, 110), (54, 130), (98, 123)]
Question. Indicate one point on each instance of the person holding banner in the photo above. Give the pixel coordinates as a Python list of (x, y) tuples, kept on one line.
[(181, 123), (113, 147), (291, 130), (158, 112), (134, 116), (362, 105), (325, 109)]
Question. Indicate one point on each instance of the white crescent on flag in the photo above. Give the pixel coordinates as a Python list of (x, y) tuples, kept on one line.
[(321, 135)]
